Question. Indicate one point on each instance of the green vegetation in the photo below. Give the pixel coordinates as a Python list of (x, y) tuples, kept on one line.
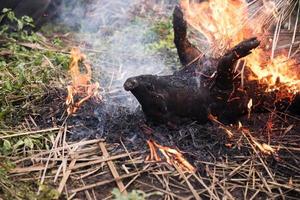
[(26, 67), (29, 64), (164, 31), (163, 43), (12, 190)]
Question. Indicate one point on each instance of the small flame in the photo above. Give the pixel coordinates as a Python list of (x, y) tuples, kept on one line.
[(172, 156), (225, 23), (249, 106), (81, 82)]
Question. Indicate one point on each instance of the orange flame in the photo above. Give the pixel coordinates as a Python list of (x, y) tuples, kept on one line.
[(220, 21), (81, 82), (225, 23), (172, 156)]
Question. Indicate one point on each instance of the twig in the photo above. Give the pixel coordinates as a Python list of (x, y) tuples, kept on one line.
[(65, 177), (113, 169), (30, 133)]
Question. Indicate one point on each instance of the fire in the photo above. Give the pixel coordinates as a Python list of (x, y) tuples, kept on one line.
[(172, 156), (220, 21), (225, 23), (81, 82), (277, 72)]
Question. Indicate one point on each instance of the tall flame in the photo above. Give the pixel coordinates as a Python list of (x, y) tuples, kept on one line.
[(225, 23), (81, 82), (220, 21)]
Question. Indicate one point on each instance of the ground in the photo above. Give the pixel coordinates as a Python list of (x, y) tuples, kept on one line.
[(101, 149)]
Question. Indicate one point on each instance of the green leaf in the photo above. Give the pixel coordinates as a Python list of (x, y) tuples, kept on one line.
[(18, 144), (20, 25), (8, 85), (36, 136), (11, 16), (28, 143), (1, 17), (6, 145), (5, 10)]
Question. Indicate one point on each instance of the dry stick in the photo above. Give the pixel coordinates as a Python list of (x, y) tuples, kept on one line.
[(262, 178), (9, 190), (275, 38), (19, 170), (262, 162), (294, 34), (160, 190), (126, 150), (104, 159), (130, 182), (55, 150), (165, 183), (88, 173), (254, 195), (50, 154), (39, 168), (213, 181), (248, 178), (66, 176), (134, 178), (205, 186), (87, 194), (71, 196), (232, 173), (196, 195), (29, 133), (113, 169), (223, 187), (285, 186), (104, 182)]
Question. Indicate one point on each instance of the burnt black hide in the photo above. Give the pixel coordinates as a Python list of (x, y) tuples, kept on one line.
[(176, 99), (194, 92)]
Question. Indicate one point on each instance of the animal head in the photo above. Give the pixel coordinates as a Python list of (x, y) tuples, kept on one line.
[(141, 84), (148, 89)]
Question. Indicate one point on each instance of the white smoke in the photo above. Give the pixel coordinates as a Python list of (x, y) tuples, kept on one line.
[(116, 42)]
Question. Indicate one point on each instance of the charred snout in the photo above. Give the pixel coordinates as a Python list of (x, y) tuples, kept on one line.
[(130, 84)]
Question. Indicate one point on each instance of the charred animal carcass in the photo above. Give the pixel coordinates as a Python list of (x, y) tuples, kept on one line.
[(204, 86), (193, 92)]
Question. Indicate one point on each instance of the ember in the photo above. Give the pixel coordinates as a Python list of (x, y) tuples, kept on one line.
[(81, 82)]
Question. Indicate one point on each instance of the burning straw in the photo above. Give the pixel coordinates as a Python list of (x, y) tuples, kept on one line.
[(225, 23), (81, 85), (172, 156)]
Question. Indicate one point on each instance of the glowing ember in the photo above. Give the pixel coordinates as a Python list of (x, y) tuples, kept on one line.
[(81, 82), (172, 156), (225, 23)]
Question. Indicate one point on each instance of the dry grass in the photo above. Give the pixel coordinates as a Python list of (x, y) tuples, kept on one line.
[(90, 169)]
